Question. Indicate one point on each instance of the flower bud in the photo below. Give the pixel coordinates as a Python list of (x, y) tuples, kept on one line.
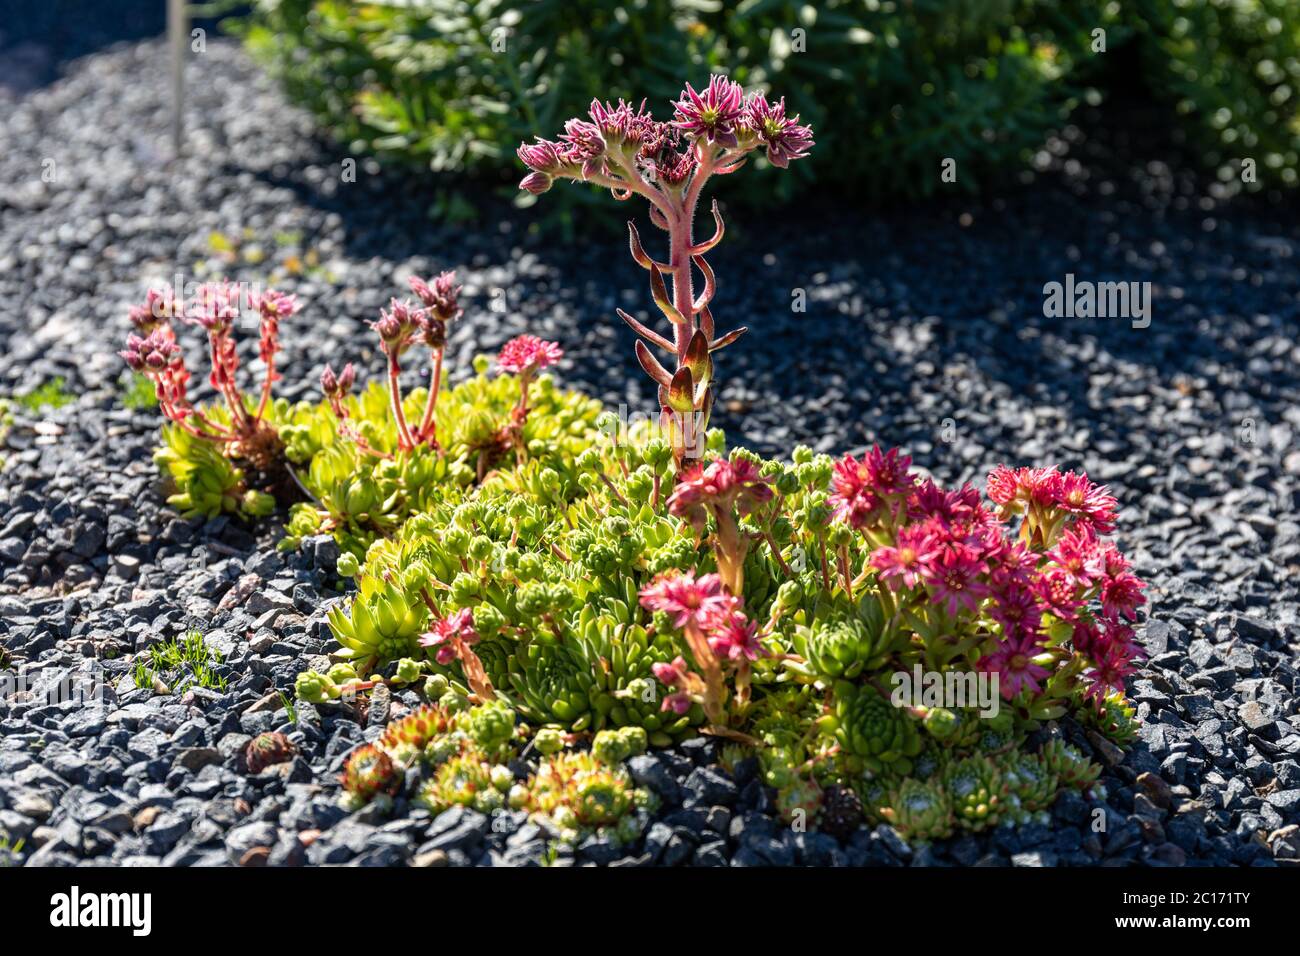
[(535, 183)]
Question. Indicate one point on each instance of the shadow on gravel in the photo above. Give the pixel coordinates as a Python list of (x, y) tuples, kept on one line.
[(38, 39), (943, 303)]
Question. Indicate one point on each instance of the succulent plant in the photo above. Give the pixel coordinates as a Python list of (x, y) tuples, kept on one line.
[(581, 795), (872, 730), (267, 749), (921, 812), (612, 747), (957, 728), (491, 726), (466, 779), (977, 792), (799, 801), (1113, 716), (846, 643), (406, 738), (370, 772), (549, 740), (1029, 781), (1072, 768), (383, 625)]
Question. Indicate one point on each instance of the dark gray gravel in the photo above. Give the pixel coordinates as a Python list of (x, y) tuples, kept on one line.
[(923, 330)]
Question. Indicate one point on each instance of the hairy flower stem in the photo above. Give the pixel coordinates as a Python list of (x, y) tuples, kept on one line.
[(729, 549), (266, 389), (714, 687), (428, 431), (395, 401)]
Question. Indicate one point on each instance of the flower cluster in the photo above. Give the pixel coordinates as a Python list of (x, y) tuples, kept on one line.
[(242, 431), (454, 637), (626, 150), (719, 636), (723, 489), (947, 558), (400, 327)]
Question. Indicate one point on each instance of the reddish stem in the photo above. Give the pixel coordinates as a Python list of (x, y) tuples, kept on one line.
[(428, 432), (404, 442), (266, 388)]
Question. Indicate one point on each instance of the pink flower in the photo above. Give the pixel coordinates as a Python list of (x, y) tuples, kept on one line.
[(953, 578), (340, 385), (544, 156), (1018, 611), (861, 491), (157, 309), (1121, 595), (736, 638), (711, 113), (1108, 672), (903, 564), (527, 354), (671, 674), (1014, 665), (721, 483), (671, 167), (1077, 554), (674, 675), (1015, 488), (397, 327), (449, 631), (1092, 505), (215, 307), (690, 602), (439, 295), (678, 703), (1059, 592), (273, 306), (785, 138)]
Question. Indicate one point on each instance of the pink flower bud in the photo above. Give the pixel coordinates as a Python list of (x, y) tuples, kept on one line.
[(535, 183)]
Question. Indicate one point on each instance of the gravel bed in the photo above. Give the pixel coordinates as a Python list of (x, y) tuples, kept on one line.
[(922, 329)]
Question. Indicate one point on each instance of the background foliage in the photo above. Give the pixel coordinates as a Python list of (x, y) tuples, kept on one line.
[(890, 86)]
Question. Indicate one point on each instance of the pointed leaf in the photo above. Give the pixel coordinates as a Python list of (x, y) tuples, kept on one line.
[(660, 293), (681, 392), (651, 365), (649, 334), (718, 231), (727, 339), (639, 253), (710, 283), (706, 322), (697, 358)]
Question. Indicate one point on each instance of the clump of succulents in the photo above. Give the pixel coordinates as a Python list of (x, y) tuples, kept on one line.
[(355, 465), (583, 796), (468, 778), (921, 811), (230, 456), (612, 747), (547, 585)]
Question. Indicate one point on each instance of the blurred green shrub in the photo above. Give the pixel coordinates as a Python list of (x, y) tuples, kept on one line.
[(891, 87), (1233, 68)]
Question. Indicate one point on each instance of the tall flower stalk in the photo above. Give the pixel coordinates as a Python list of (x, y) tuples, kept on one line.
[(155, 353), (668, 164)]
